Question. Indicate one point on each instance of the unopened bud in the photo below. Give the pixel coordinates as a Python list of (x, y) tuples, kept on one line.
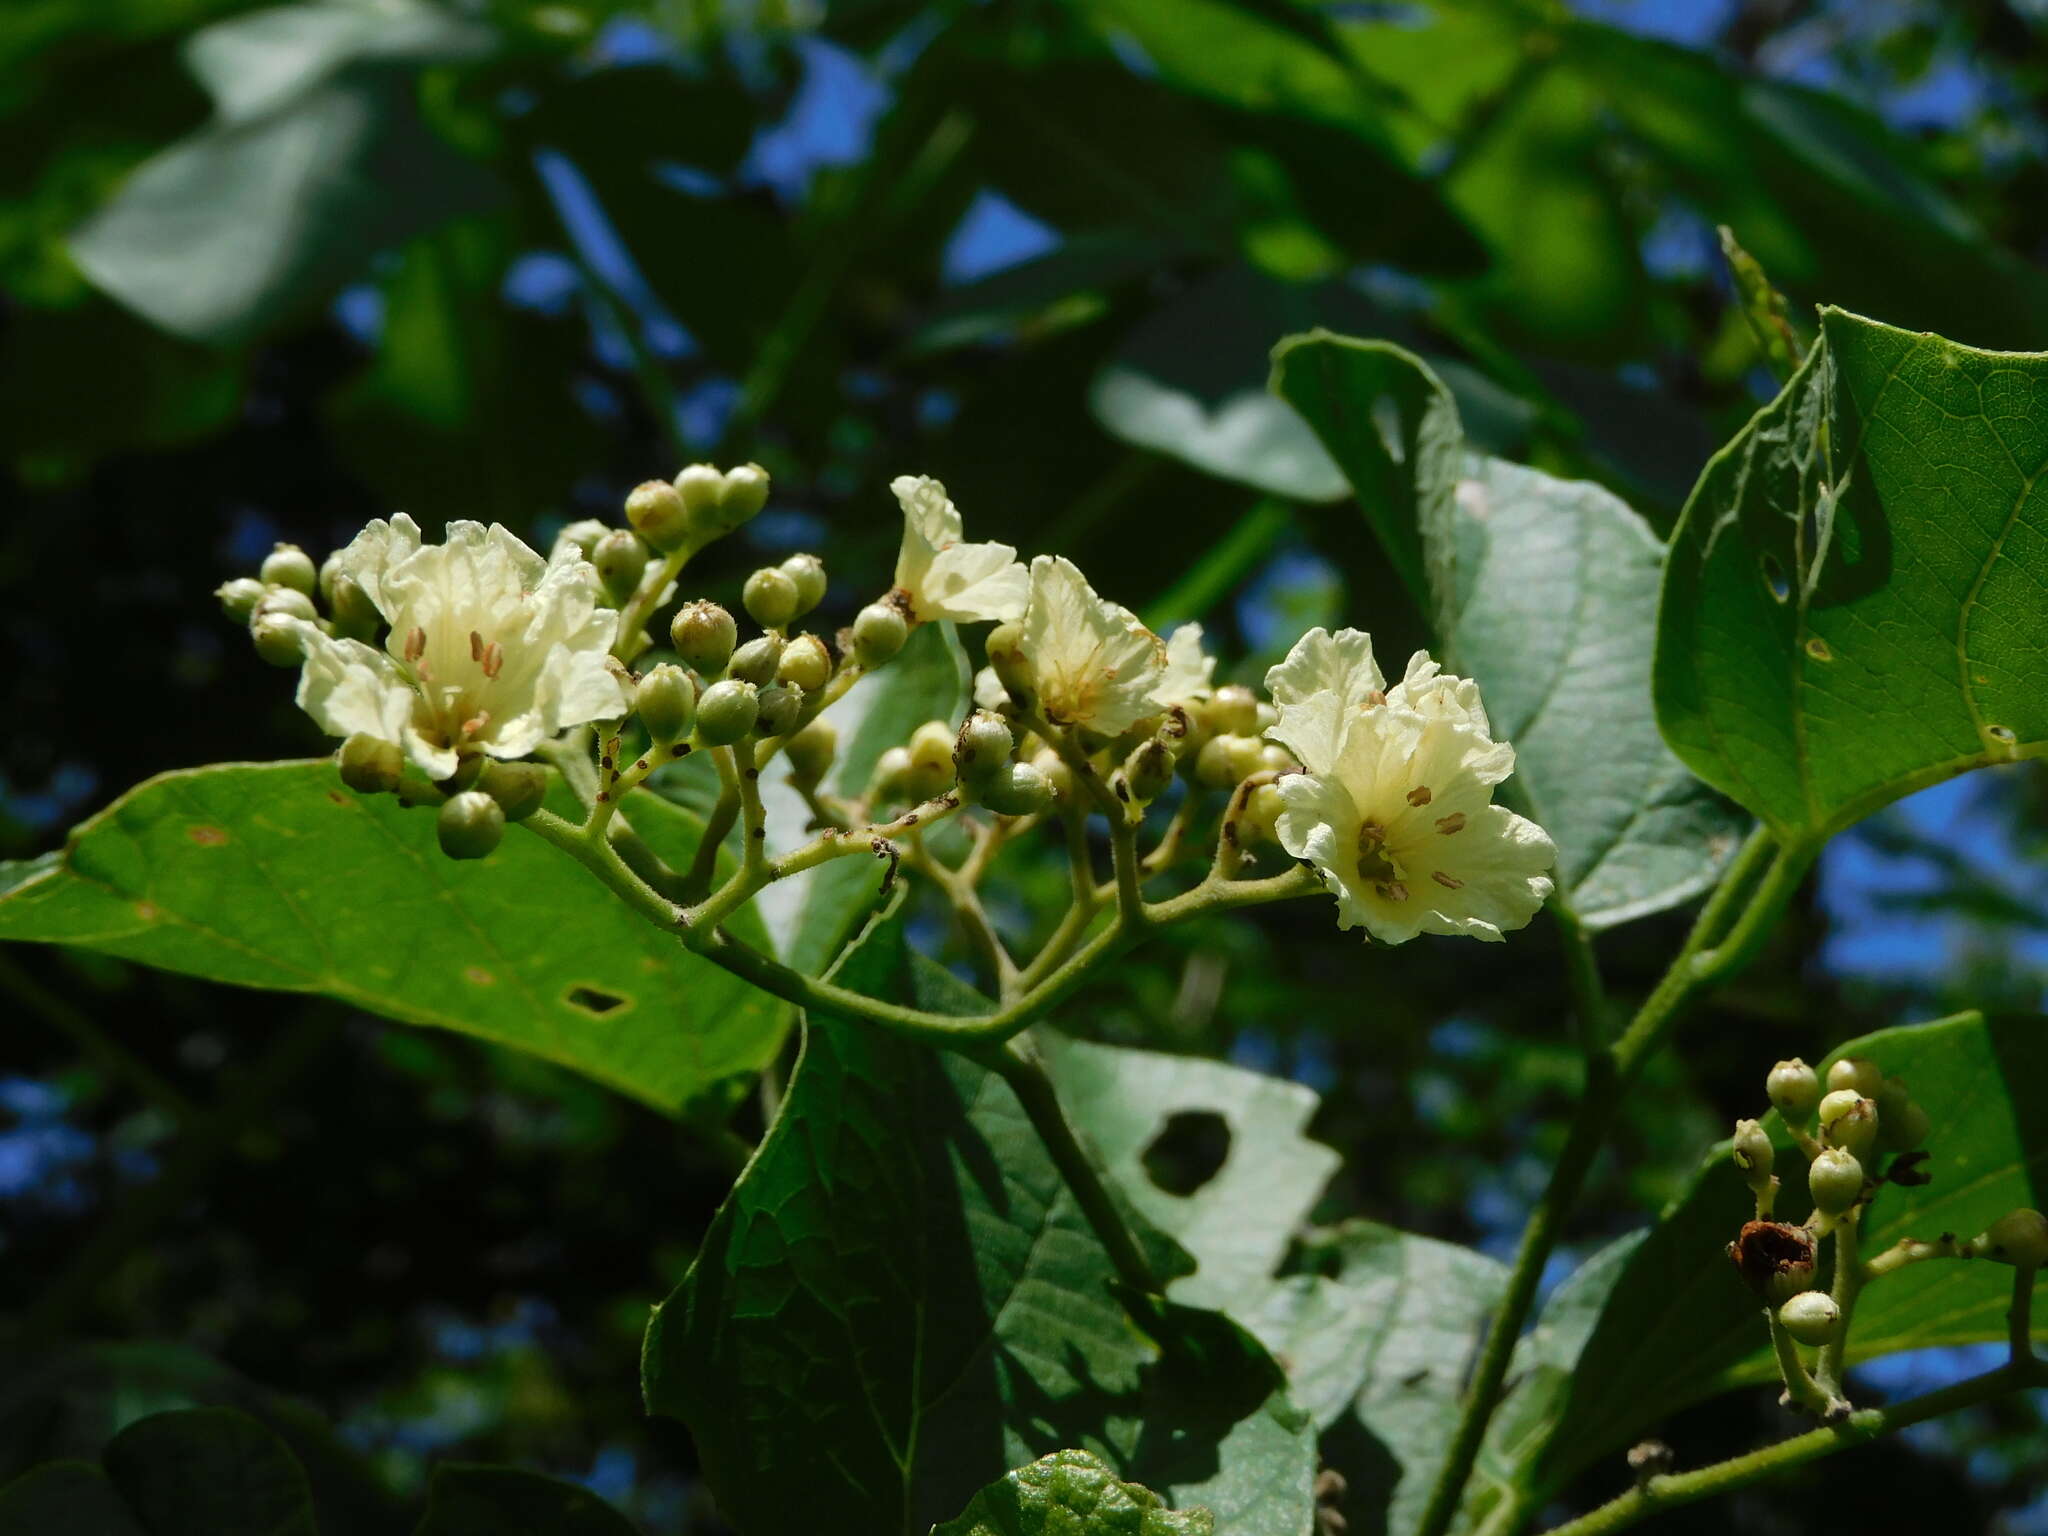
[(621, 560), (931, 761), (2019, 1238), (891, 768), (1904, 1128), (1148, 770), (1848, 1120), (581, 536), (1260, 821), (805, 664), (1753, 1153), (284, 602), (770, 597), (780, 706), (238, 598), (1793, 1088), (1015, 789), (1835, 1181), (1006, 658), (704, 635), (1774, 1258), (370, 766), (666, 702), (727, 711), (745, 493), (756, 661), (701, 486), (879, 631), (655, 509), (1058, 776), (277, 638), (518, 788), (811, 752), (1811, 1317), (984, 743), (471, 825), (355, 616), (808, 572), (1232, 710), (1861, 1076), (1227, 761), (287, 565)]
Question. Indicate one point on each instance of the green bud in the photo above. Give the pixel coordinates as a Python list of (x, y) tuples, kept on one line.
[(287, 565), (277, 638), (704, 635), (1232, 710), (1892, 1098), (780, 705), (745, 493), (469, 767), (1811, 1317), (811, 752), (985, 742), (471, 825), (756, 662), (1848, 1120), (288, 602), (1005, 648), (1753, 1152), (770, 597), (805, 664), (518, 788), (1277, 759), (700, 486), (655, 509), (1053, 769), (1835, 1181), (621, 560), (1148, 770), (931, 761), (1227, 761), (1015, 789), (891, 768), (238, 598), (1904, 1128), (727, 711), (1863, 1077), (2019, 1238), (369, 766), (808, 572), (581, 536), (355, 616), (879, 631), (1260, 821), (1793, 1088), (666, 702)]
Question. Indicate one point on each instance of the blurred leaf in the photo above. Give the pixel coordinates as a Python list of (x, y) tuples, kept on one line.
[(900, 1301), (209, 1472), (1852, 606), (73, 1498), (1542, 590), (317, 158), (504, 1501), (273, 876), (1007, 299), (1071, 1493)]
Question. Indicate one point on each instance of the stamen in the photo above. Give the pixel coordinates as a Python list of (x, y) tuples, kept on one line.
[(1374, 699), (1419, 795), (415, 643), (1392, 890), (493, 659), (476, 646), (1455, 822), (475, 723), (1448, 882)]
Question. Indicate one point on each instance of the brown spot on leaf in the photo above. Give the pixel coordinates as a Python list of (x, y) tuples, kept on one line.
[(208, 837), (477, 976)]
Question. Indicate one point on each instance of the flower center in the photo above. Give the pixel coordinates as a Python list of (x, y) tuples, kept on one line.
[(1377, 866)]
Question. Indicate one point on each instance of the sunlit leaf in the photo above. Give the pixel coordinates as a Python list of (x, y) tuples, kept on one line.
[(1074, 1494)]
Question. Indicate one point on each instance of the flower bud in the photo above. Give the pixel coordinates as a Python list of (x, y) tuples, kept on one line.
[(471, 825), (276, 638), (655, 509), (727, 711), (1774, 1258), (1753, 1153), (810, 752), (891, 768), (1904, 1128), (1793, 1088), (1848, 1120), (581, 536), (757, 661), (355, 616), (780, 704), (284, 602), (238, 598), (879, 631), (1233, 710), (745, 493), (1277, 759), (1811, 1317), (369, 766), (1015, 789), (985, 743), (518, 788), (2019, 1238), (1148, 770), (931, 761), (704, 635), (1835, 1181), (1006, 658), (1260, 820), (805, 664), (808, 572), (1057, 775), (287, 565), (621, 560), (770, 597), (1227, 761), (1862, 1076), (666, 702)]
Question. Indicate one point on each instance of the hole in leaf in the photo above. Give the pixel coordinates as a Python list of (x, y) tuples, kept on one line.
[(1189, 1151), (593, 1001), (1774, 578), (1819, 649)]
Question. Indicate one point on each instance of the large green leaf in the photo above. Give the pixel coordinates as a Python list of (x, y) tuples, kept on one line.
[(1679, 1326), (1071, 1493), (272, 875), (210, 1472), (1543, 590), (1853, 606), (73, 1497), (900, 1301), (504, 1501)]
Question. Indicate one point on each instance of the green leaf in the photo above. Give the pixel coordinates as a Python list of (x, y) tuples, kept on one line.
[(1071, 1493), (504, 1501), (1679, 1326), (1852, 606), (272, 875), (1542, 589), (72, 1497), (900, 1301), (210, 1472)]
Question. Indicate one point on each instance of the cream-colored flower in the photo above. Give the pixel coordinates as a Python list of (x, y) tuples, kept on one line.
[(1093, 664), (492, 649), (1190, 671), (937, 576), (1325, 681)]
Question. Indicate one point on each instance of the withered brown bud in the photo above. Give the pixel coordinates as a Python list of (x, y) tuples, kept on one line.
[(1774, 1259), (1648, 1459)]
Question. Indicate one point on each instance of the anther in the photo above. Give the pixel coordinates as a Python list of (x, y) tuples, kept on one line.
[(415, 643), (1419, 795), (1448, 882), (1455, 822)]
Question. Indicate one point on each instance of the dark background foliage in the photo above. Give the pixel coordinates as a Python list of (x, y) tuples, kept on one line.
[(1038, 248)]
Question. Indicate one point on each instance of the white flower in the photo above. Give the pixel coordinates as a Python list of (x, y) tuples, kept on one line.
[(1190, 671), (937, 576), (491, 648), (1092, 663), (1325, 681), (989, 692)]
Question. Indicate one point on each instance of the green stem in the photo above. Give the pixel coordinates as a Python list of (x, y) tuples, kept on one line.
[(1582, 970), (1674, 1489), (704, 863), (1799, 1383), (1848, 1284)]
